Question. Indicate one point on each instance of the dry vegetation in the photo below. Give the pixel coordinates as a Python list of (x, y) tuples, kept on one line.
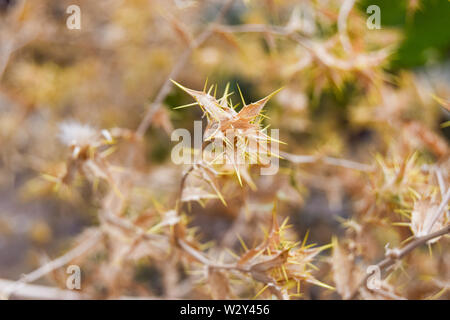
[(85, 123)]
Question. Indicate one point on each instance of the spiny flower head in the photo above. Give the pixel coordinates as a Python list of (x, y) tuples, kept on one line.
[(280, 263), (240, 132)]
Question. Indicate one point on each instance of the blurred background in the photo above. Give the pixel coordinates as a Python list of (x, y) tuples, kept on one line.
[(351, 105)]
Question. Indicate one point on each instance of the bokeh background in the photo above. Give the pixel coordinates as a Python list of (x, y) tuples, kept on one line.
[(107, 74)]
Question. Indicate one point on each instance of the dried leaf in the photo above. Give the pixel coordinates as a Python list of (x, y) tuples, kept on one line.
[(219, 284), (346, 274)]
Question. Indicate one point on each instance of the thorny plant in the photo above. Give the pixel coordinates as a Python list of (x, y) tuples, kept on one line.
[(402, 191)]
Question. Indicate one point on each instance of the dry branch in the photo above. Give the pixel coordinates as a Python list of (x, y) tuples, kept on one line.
[(393, 255), (79, 250), (182, 60)]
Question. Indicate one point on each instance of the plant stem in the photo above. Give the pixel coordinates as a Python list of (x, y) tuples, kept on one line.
[(54, 264), (398, 254), (182, 60)]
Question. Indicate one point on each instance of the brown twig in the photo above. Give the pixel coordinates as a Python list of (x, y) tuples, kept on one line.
[(34, 292), (54, 264), (349, 164), (197, 255), (317, 49), (253, 28), (394, 255), (38, 292), (182, 60), (179, 199)]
